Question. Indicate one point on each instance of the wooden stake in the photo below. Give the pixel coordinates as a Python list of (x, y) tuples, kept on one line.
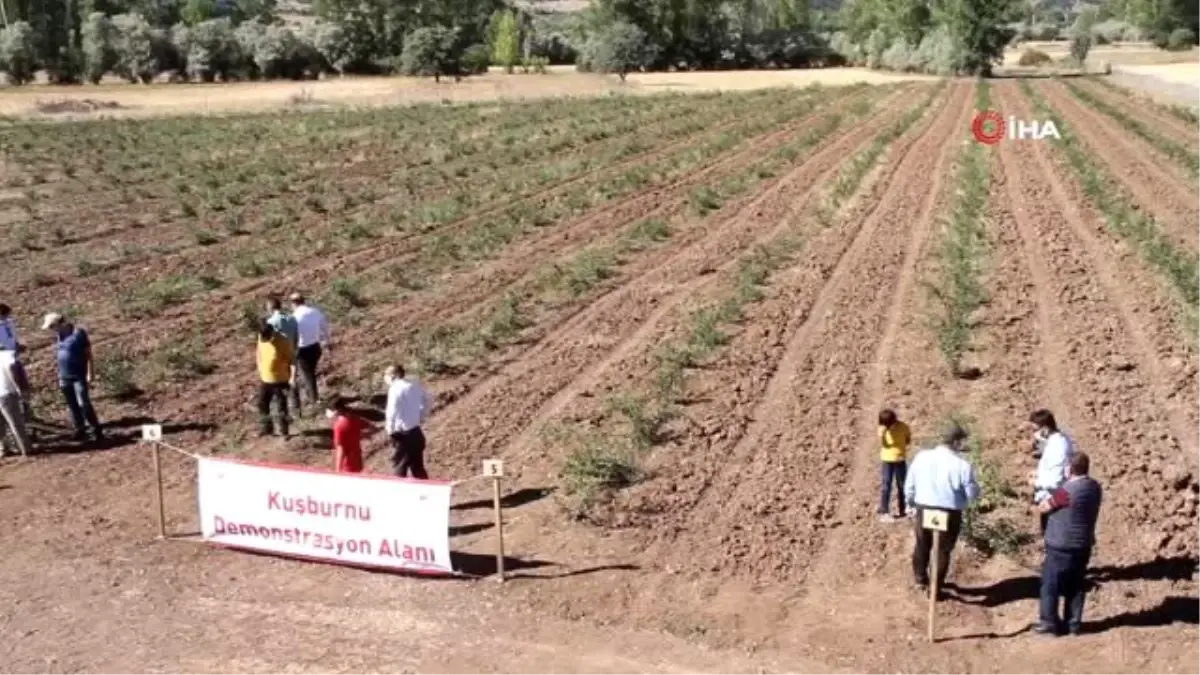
[(933, 587), (499, 529), (162, 521)]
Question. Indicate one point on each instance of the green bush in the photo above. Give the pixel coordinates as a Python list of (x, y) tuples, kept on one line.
[(1081, 43), (900, 57), (475, 60), (18, 54), (877, 44), (1181, 39)]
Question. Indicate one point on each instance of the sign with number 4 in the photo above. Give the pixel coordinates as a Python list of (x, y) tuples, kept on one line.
[(932, 519), (493, 468), (152, 432)]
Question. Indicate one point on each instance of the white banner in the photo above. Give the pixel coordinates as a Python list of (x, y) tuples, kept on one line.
[(356, 519)]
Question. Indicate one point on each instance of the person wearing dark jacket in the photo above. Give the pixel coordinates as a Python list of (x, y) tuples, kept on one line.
[(1071, 514)]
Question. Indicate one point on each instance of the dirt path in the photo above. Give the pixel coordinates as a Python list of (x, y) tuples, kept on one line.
[(1156, 182), (1112, 406)]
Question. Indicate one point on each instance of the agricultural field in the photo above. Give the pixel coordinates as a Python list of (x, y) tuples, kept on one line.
[(675, 317)]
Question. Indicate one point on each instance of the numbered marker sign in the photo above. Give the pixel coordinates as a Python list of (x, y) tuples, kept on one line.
[(493, 468), (152, 432), (932, 519)]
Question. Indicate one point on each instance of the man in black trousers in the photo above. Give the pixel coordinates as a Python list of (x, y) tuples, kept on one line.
[(940, 479), (408, 406), (1072, 511)]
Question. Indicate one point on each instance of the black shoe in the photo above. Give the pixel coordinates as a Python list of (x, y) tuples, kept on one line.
[(1043, 629), (81, 435), (1074, 630), (98, 434)]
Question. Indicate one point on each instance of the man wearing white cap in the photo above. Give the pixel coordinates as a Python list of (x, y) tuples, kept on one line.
[(74, 355)]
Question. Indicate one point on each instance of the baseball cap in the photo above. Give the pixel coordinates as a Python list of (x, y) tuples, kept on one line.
[(51, 320)]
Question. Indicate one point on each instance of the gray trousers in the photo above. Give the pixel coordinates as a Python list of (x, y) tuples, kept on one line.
[(13, 411)]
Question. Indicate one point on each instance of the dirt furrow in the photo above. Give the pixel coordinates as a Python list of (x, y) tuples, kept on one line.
[(378, 339), (367, 172), (1110, 403), (479, 287), (1163, 122), (633, 353), (394, 250), (900, 317), (607, 325), (1154, 183), (777, 498)]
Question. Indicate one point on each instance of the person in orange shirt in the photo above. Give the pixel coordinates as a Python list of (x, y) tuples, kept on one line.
[(275, 354), (894, 438)]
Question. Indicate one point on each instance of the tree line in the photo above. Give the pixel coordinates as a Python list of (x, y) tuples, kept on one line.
[(206, 40), (957, 36)]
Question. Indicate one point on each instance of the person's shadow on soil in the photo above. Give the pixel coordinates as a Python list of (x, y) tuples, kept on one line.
[(55, 439), (1174, 609), (509, 501), (1175, 568)]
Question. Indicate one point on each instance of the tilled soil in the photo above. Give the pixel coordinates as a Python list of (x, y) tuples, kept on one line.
[(1156, 182), (752, 544)]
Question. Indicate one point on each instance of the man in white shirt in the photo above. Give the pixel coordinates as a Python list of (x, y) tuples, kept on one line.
[(408, 406), (1054, 450), (312, 340), (941, 479), (14, 387)]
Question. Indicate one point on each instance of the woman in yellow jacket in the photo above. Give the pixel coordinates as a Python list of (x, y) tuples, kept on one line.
[(275, 354), (894, 437)]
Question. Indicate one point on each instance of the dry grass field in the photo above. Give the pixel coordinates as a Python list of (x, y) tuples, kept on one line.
[(714, 293), (115, 99)]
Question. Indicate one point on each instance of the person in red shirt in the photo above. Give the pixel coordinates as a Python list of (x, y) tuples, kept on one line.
[(348, 430)]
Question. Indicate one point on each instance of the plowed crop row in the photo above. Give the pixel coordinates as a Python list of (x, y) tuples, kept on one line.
[(686, 327)]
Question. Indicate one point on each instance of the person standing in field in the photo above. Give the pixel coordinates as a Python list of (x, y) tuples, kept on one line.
[(894, 438), (285, 324), (408, 407), (1054, 450), (73, 348), (1071, 512), (8, 330), (940, 479), (9, 340), (14, 389), (274, 358), (312, 340), (348, 430)]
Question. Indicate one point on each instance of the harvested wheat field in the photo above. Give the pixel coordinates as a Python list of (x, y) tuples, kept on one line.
[(675, 318)]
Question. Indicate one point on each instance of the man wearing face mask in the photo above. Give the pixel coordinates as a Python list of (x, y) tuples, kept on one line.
[(1053, 450), (408, 406)]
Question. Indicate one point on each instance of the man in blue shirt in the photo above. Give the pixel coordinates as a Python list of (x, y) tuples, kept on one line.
[(74, 355), (940, 479)]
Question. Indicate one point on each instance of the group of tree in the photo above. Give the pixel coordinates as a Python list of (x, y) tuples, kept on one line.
[(1169, 24), (205, 40), (969, 36), (82, 40)]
